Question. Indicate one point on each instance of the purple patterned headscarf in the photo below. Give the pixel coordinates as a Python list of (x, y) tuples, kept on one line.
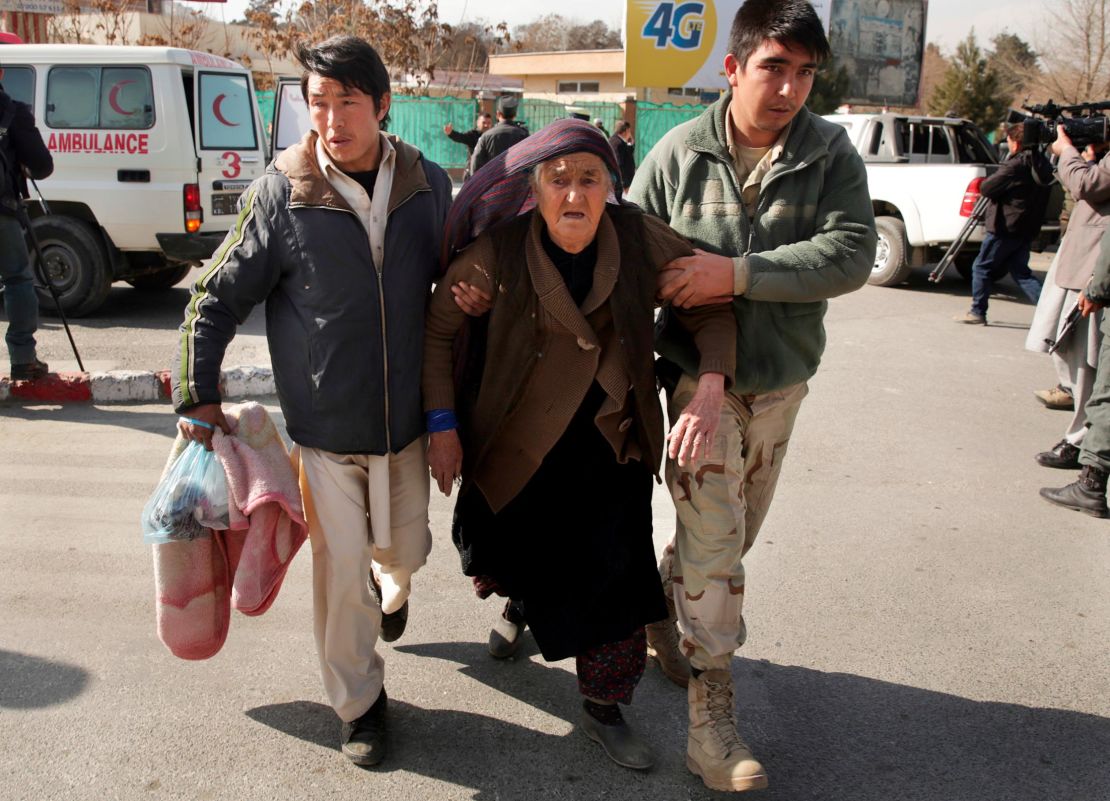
[(501, 189)]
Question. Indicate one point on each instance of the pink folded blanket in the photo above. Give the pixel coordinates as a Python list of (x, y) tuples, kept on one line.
[(197, 582)]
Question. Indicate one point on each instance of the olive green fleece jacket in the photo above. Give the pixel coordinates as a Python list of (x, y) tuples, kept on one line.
[(813, 238)]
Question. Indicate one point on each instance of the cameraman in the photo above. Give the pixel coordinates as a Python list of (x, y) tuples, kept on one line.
[(1086, 176), (22, 153), (1018, 198)]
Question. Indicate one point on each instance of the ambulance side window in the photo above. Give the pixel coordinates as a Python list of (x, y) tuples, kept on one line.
[(19, 83), (126, 98), (117, 98), (226, 112)]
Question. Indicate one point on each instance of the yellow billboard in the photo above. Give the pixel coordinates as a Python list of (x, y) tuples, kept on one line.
[(682, 42)]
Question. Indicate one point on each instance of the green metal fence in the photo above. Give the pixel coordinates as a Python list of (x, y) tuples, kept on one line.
[(266, 109), (535, 113), (653, 120), (420, 120)]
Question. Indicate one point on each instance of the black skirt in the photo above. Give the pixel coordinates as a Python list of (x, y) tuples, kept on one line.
[(574, 546)]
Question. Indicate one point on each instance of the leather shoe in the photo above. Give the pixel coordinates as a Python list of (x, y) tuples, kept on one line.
[(622, 744), (1055, 398), (1087, 494), (1063, 455), (393, 623), (29, 371), (971, 318), (363, 739)]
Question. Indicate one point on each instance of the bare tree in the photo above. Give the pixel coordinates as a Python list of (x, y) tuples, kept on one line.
[(407, 33), (1074, 51)]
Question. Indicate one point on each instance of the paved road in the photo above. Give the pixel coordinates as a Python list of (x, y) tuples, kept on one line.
[(923, 626)]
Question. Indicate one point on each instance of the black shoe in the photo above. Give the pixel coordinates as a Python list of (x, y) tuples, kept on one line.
[(1087, 494), (1063, 455), (29, 371), (393, 623), (363, 739)]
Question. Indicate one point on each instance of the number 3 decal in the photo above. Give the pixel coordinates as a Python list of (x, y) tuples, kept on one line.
[(232, 166)]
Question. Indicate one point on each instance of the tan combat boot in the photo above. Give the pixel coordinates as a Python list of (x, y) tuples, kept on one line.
[(714, 750), (663, 647)]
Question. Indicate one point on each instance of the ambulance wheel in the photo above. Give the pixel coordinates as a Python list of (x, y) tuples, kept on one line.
[(75, 262), (163, 279)]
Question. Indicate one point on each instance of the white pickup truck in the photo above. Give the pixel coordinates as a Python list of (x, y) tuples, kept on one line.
[(924, 175)]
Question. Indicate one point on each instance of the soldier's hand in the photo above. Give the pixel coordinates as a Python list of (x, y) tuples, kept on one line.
[(698, 280), (448, 128), (1087, 306), (199, 424)]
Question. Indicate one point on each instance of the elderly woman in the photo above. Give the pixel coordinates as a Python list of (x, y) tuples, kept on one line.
[(557, 429)]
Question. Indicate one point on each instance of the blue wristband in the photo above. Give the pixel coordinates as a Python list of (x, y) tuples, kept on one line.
[(438, 420), (196, 422)]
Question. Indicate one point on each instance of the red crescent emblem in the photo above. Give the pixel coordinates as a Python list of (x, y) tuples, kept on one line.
[(113, 99), (218, 112)]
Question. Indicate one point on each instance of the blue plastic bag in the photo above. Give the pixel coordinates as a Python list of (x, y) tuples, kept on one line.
[(190, 499)]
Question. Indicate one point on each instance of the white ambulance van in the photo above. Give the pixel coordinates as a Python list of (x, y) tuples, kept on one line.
[(152, 147)]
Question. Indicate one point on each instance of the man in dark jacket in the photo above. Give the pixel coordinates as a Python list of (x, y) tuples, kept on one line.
[(1018, 197), (340, 239), (24, 153), (506, 133), (625, 151), (469, 138)]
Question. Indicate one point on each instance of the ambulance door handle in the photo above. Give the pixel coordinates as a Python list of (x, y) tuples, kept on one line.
[(249, 159), (133, 176)]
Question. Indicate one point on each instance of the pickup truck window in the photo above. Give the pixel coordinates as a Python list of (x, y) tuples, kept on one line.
[(972, 148), (19, 83), (925, 143)]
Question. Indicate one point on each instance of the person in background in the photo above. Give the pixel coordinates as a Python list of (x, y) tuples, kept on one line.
[(625, 150), (482, 123), (22, 154), (1088, 492), (1086, 176), (506, 133), (1017, 198), (600, 125)]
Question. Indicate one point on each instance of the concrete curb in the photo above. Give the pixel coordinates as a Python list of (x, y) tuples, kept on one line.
[(128, 386)]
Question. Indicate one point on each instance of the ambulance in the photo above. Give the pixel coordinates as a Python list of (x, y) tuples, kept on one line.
[(152, 148)]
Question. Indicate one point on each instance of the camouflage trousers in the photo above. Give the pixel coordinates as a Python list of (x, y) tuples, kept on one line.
[(720, 502)]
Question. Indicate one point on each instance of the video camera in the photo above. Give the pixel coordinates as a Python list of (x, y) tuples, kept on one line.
[(1084, 123)]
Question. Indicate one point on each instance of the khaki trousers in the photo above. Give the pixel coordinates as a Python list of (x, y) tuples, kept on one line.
[(720, 503), (338, 490)]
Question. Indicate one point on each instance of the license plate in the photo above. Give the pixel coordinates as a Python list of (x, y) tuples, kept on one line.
[(225, 203)]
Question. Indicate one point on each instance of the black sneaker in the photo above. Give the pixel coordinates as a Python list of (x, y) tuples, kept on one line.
[(394, 623), (363, 740), (29, 371)]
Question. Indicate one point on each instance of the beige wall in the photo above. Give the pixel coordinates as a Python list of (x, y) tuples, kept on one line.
[(541, 73)]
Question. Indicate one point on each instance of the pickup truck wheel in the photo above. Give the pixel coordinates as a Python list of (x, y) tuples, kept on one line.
[(75, 262), (163, 279), (891, 265)]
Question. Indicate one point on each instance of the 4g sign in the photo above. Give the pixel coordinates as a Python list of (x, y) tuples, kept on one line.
[(682, 42), (676, 25), (670, 42)]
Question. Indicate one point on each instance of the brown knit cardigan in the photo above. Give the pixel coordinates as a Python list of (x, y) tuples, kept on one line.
[(543, 352)]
